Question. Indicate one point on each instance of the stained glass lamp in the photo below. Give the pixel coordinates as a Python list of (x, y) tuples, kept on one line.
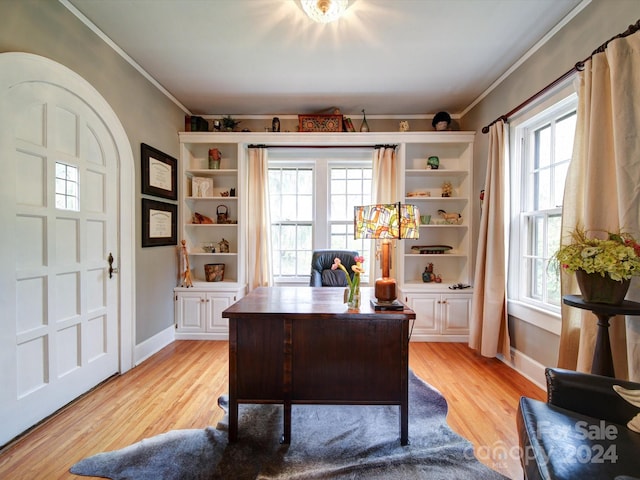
[(386, 222)]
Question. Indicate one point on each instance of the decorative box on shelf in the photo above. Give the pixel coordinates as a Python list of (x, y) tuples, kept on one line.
[(320, 123)]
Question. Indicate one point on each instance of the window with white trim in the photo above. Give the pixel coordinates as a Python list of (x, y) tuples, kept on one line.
[(543, 149), (312, 204)]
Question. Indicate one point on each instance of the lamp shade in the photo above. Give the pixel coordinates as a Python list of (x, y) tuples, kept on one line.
[(386, 221)]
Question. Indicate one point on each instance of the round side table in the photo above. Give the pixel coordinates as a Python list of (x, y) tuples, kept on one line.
[(602, 359)]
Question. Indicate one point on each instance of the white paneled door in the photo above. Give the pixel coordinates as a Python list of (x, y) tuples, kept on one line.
[(60, 317)]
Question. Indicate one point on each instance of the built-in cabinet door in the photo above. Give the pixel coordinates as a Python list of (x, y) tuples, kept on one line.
[(216, 303), (426, 308), (191, 312), (440, 316), (199, 313), (456, 312)]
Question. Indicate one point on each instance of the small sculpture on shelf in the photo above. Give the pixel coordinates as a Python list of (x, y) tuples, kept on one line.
[(223, 246), (428, 275), (441, 121), (214, 158), (447, 189), (199, 219), (433, 162), (184, 264), (208, 247), (451, 218)]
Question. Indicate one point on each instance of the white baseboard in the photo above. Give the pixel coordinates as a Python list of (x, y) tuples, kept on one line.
[(154, 344), (527, 367), (418, 337), (202, 336)]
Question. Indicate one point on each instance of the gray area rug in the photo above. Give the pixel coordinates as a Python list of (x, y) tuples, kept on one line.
[(334, 442)]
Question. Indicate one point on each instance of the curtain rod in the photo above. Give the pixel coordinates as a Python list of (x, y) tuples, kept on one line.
[(321, 146), (579, 66)]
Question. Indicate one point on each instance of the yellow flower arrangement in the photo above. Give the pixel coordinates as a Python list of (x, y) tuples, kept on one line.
[(617, 255)]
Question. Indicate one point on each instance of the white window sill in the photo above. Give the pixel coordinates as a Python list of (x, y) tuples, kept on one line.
[(549, 321)]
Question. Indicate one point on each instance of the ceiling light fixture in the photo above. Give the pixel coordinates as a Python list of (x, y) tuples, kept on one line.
[(324, 11)]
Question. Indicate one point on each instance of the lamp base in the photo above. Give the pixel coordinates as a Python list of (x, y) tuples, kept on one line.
[(394, 306), (385, 290)]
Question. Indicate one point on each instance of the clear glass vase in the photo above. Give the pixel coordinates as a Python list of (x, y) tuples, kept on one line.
[(353, 297)]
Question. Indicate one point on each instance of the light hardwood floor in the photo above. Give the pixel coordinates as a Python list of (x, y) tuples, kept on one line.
[(178, 387)]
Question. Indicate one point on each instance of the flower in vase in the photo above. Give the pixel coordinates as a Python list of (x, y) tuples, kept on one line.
[(357, 270), (616, 255)]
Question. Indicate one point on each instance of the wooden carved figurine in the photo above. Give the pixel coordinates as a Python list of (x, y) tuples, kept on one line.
[(186, 274)]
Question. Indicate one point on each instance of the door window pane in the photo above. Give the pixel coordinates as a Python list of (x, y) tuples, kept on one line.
[(66, 185)]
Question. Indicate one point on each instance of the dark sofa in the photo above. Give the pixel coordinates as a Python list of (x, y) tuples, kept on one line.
[(581, 431)]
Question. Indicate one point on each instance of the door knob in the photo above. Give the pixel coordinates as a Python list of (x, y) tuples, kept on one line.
[(112, 270)]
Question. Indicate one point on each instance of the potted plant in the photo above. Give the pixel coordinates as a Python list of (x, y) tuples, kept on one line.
[(604, 263), (229, 124)]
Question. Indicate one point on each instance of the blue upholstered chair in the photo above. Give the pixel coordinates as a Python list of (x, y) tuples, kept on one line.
[(321, 273)]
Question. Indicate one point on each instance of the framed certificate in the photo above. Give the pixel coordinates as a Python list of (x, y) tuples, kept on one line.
[(159, 173), (159, 224)]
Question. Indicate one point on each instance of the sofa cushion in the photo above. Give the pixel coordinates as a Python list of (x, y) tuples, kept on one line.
[(560, 444)]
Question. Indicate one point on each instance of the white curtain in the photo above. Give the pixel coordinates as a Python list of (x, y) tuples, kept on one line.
[(384, 175), (385, 170), (602, 192), (488, 332), (258, 221)]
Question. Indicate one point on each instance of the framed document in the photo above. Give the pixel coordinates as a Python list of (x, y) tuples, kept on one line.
[(159, 173), (159, 223)]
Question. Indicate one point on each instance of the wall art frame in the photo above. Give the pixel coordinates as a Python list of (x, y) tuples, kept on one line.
[(159, 173), (159, 223)]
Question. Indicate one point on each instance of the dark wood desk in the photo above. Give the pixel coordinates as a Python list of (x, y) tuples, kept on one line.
[(303, 346), (602, 359)]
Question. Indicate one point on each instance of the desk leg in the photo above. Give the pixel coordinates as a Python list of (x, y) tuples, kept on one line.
[(287, 380), (233, 380), (602, 358)]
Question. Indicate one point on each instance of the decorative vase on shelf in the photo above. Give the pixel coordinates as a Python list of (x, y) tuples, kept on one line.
[(598, 289), (364, 127)]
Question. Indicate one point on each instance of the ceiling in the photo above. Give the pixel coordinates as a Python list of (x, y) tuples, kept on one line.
[(266, 57)]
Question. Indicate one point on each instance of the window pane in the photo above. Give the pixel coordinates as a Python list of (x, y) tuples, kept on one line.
[(275, 237), (66, 187), (305, 181), (543, 147), (554, 222), (537, 280), (288, 263), (289, 181), (339, 209), (543, 188), (537, 236), (275, 206), (559, 177), (289, 207), (565, 131), (304, 263), (304, 240)]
